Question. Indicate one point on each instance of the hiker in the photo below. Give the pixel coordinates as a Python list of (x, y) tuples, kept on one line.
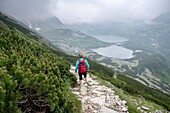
[(82, 66)]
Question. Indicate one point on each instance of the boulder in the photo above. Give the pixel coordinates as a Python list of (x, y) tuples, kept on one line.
[(145, 108)]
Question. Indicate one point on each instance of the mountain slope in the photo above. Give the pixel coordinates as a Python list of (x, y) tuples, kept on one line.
[(32, 79), (33, 76), (61, 34), (153, 40)]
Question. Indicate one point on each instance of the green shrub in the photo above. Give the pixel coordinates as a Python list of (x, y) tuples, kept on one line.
[(33, 79)]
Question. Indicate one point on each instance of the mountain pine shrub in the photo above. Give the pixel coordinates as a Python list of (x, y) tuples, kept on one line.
[(33, 79)]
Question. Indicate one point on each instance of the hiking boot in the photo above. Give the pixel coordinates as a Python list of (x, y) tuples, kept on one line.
[(80, 87), (86, 83)]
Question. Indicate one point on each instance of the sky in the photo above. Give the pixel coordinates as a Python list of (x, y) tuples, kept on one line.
[(86, 11)]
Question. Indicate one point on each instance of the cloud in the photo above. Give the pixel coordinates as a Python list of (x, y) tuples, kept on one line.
[(110, 10), (28, 9), (87, 11)]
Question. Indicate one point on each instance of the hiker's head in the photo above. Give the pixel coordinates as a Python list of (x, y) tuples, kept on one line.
[(81, 55)]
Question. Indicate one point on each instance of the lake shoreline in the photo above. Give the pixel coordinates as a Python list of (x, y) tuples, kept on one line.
[(116, 50)]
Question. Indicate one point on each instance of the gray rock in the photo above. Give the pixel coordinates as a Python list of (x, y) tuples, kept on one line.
[(145, 108)]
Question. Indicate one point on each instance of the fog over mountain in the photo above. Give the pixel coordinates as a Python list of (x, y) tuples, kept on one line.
[(86, 11)]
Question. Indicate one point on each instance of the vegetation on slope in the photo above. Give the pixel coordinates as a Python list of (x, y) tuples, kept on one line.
[(33, 79)]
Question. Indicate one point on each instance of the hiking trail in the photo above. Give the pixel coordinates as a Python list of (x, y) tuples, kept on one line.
[(97, 98)]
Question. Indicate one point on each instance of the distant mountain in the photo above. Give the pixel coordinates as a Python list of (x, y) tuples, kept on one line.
[(164, 18), (64, 36), (120, 29), (45, 25), (154, 39)]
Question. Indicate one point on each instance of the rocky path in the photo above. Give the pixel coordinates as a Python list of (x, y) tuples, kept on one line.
[(97, 98)]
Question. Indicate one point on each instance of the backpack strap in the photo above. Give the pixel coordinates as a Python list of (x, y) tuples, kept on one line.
[(81, 60)]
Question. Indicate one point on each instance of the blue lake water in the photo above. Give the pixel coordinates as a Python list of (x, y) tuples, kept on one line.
[(114, 51)]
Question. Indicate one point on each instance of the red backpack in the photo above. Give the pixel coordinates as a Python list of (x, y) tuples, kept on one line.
[(82, 66)]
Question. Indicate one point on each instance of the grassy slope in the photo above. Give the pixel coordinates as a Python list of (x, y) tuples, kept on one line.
[(133, 101)]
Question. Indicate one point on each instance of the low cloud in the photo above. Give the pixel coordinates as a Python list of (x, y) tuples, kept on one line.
[(110, 10), (28, 9), (87, 11)]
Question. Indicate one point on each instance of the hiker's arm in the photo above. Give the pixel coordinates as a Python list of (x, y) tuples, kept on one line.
[(77, 63), (87, 64)]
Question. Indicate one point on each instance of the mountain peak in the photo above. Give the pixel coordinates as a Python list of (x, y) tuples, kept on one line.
[(54, 19), (164, 18), (45, 24)]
